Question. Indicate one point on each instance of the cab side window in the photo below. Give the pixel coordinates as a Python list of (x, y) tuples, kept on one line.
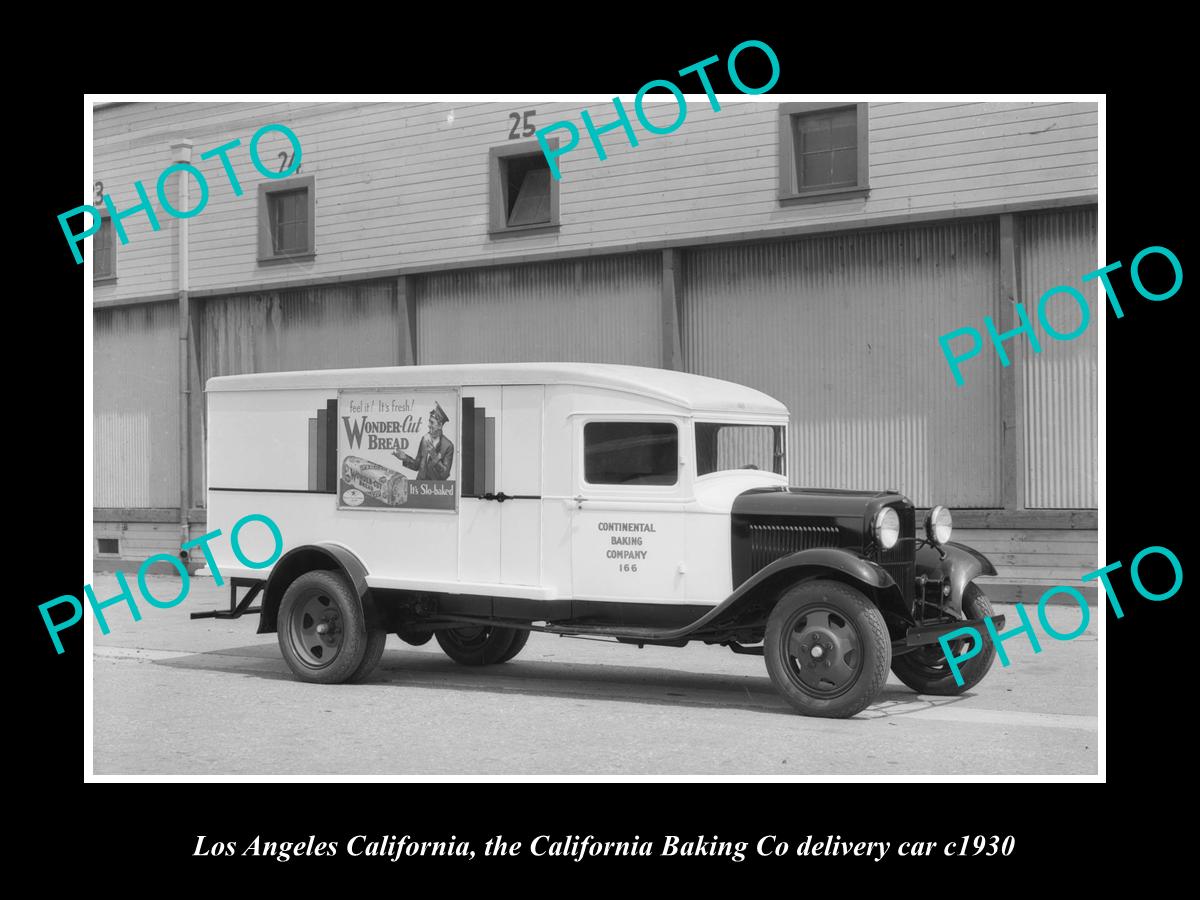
[(631, 453)]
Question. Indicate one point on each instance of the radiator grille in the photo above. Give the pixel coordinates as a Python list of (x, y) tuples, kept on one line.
[(900, 561), (770, 542)]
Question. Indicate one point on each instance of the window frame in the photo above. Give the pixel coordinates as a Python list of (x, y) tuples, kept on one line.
[(105, 222), (633, 418), (739, 423), (789, 191), (497, 207), (266, 252)]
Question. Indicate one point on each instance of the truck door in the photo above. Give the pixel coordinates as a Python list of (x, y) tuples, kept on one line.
[(627, 534), (500, 503)]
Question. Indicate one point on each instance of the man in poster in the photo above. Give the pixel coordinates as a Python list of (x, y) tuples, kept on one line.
[(435, 456)]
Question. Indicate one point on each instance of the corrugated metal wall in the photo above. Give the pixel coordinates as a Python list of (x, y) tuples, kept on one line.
[(324, 327), (1059, 384), (327, 327), (603, 309), (136, 407), (843, 329)]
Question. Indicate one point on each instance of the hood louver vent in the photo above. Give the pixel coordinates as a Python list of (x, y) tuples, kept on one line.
[(771, 542)]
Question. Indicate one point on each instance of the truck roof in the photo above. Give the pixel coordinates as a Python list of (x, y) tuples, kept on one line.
[(697, 393)]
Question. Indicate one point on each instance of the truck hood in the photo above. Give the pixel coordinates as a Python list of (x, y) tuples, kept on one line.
[(718, 491), (767, 523), (792, 501)]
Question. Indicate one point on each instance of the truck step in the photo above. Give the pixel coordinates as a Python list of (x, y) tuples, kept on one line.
[(617, 631)]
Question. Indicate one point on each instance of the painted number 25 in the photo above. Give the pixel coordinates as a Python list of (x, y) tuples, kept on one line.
[(530, 128)]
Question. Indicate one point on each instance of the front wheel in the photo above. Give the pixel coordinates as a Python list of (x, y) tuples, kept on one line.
[(827, 649), (926, 670)]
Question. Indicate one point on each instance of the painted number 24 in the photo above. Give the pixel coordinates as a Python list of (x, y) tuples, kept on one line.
[(530, 128)]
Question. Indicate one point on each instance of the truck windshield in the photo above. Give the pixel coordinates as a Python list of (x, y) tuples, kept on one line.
[(722, 446)]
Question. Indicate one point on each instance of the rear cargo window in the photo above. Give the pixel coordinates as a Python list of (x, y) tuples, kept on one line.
[(631, 453)]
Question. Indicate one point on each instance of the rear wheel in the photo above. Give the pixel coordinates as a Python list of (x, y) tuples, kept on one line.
[(926, 671), (323, 634), (477, 645), (520, 639), (827, 649)]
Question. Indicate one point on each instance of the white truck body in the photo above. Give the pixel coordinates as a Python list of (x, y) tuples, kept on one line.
[(546, 544), (475, 504)]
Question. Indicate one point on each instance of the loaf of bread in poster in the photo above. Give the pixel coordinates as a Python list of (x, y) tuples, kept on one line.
[(378, 481)]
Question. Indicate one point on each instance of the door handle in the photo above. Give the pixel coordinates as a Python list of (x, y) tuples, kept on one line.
[(579, 498)]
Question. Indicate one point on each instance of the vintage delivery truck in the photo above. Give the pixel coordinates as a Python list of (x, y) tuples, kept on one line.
[(476, 503)]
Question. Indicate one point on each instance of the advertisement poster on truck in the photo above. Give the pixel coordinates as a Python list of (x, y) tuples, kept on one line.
[(396, 449)]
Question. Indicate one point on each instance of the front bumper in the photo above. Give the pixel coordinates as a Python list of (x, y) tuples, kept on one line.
[(924, 635)]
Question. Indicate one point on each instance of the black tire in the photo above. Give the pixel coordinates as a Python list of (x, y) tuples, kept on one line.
[(415, 638), (376, 641), (520, 639), (827, 649), (347, 651), (476, 645), (926, 671)]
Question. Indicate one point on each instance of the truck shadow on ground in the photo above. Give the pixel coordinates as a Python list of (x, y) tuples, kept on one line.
[(612, 683)]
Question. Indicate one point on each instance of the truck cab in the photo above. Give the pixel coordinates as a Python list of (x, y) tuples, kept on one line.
[(474, 504)]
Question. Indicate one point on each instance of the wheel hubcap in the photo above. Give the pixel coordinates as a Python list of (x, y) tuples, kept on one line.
[(823, 652), (316, 631)]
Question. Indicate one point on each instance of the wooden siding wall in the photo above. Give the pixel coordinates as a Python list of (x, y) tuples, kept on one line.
[(406, 185), (140, 541), (1034, 554)]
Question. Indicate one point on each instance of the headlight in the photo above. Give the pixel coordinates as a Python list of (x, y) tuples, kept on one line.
[(938, 525), (887, 528)]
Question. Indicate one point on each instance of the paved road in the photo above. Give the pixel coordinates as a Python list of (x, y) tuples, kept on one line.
[(210, 697)]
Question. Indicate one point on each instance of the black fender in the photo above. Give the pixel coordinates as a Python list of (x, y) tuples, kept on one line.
[(309, 557), (846, 566), (961, 565), (765, 586)]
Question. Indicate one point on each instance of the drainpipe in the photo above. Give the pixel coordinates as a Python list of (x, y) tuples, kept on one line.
[(182, 153)]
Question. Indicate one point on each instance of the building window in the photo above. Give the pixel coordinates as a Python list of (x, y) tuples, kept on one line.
[(822, 150), (108, 547), (104, 252), (286, 219), (523, 195), (630, 453)]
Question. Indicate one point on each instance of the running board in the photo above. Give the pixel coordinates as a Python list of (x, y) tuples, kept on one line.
[(620, 632), (615, 631)]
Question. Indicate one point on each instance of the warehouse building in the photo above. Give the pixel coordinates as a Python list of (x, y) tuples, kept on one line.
[(814, 251)]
